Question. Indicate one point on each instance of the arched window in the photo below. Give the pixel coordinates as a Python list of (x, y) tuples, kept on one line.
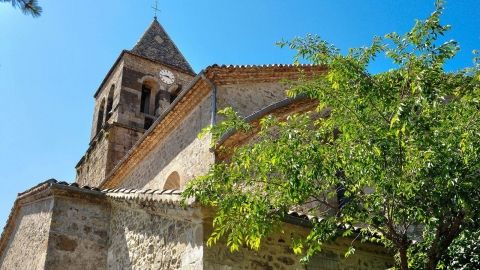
[(150, 88), (100, 116), (110, 102), (173, 181)]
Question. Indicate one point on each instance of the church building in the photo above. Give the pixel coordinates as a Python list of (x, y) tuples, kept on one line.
[(123, 211)]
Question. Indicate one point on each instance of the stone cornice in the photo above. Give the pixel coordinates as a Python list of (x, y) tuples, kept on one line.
[(238, 74)]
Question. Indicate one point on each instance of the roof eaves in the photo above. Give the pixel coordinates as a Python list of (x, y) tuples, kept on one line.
[(169, 197), (223, 66), (189, 72)]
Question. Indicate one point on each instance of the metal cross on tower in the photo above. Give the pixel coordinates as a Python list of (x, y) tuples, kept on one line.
[(155, 8)]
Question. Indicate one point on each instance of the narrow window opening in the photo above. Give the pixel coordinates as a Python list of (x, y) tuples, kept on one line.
[(145, 99), (100, 116), (110, 103)]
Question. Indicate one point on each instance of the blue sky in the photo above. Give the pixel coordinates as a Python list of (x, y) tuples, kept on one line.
[(51, 66)]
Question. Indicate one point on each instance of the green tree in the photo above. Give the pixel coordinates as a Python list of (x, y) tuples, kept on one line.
[(401, 146), (28, 7), (464, 253)]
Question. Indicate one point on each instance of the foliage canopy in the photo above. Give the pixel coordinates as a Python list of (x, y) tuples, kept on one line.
[(397, 153), (28, 7)]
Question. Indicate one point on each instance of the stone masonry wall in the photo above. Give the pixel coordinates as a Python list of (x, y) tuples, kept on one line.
[(128, 112), (181, 151), (108, 150), (27, 246), (141, 240), (276, 253), (78, 235), (92, 170), (247, 99), (121, 140)]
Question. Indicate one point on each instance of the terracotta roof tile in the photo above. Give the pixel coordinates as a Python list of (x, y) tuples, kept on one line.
[(175, 195), (260, 66)]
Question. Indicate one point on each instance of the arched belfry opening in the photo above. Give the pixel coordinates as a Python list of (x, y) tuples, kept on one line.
[(109, 110), (100, 116), (173, 181), (150, 88)]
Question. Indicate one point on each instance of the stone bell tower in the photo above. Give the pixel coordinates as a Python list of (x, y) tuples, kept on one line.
[(139, 87)]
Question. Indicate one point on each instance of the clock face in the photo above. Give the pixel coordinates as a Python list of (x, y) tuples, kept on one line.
[(166, 76)]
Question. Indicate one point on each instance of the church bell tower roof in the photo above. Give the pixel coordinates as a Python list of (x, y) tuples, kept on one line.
[(155, 44)]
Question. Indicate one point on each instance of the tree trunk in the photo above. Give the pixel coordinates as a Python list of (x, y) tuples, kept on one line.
[(432, 263), (447, 231), (403, 258)]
